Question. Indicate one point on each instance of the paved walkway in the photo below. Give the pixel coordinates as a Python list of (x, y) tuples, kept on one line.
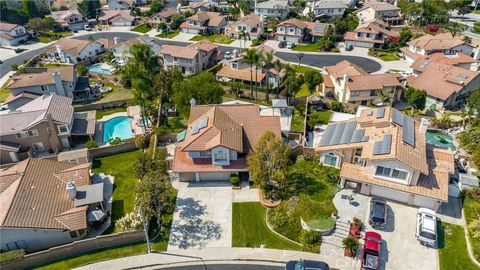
[(220, 254), (245, 195)]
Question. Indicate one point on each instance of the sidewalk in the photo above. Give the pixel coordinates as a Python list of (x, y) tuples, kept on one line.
[(219, 255)]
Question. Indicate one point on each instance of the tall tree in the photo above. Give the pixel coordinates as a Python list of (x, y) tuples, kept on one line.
[(267, 59), (416, 98), (89, 8), (250, 57), (278, 69), (163, 88), (268, 164), (30, 9), (455, 28), (312, 78)]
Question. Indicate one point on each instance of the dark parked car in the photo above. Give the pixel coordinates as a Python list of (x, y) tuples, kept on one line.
[(306, 264), (348, 48), (378, 213), (282, 44)]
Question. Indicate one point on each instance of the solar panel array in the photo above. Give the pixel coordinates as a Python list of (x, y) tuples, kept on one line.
[(343, 133), (380, 113), (384, 146), (203, 123), (181, 136), (408, 124)]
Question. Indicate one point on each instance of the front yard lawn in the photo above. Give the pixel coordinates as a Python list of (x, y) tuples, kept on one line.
[(250, 229), (311, 47), (169, 34), (471, 207), (4, 94), (298, 120), (44, 39), (452, 247), (142, 29), (389, 57), (303, 92), (311, 199), (215, 38), (303, 69)]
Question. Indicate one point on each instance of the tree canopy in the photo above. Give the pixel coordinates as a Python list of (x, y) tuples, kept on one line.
[(312, 79), (89, 8), (416, 98)]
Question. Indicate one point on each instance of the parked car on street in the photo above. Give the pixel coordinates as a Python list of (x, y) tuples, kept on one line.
[(306, 264), (290, 45), (378, 213), (371, 251), (87, 27), (426, 232), (282, 44)]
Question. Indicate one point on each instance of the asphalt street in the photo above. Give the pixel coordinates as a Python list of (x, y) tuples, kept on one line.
[(225, 267), (318, 61)]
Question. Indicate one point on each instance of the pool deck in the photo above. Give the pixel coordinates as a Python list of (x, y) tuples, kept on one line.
[(135, 113)]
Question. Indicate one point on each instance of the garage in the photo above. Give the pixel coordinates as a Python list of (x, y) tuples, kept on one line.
[(215, 176), (187, 176), (422, 201), (359, 44), (390, 194)]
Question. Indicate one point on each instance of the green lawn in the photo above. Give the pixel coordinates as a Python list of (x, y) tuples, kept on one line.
[(320, 117), (215, 38), (250, 229), (303, 69), (389, 57), (303, 92), (452, 246), (170, 34), (4, 94), (471, 207), (314, 187), (311, 47), (101, 114), (120, 166), (298, 120), (173, 126), (142, 29), (118, 93), (44, 39), (477, 11)]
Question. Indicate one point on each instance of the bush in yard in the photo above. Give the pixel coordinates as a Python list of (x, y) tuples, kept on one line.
[(351, 245), (310, 237), (130, 222), (81, 70), (115, 141), (140, 142), (474, 228), (90, 144), (336, 106), (234, 180), (277, 219)]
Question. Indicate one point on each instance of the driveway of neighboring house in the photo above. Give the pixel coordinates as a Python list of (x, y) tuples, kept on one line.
[(203, 216)]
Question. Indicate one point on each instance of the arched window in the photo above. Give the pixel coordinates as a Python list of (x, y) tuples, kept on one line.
[(221, 155)]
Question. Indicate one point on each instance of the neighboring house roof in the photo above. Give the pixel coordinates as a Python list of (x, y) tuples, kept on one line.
[(369, 82), (42, 77), (24, 94), (375, 27), (240, 74), (329, 4), (316, 29), (165, 13), (438, 57), (107, 15), (37, 110), (344, 67), (440, 41), (447, 79), (273, 4), (296, 22), (7, 27), (124, 47), (251, 20), (189, 52), (379, 6), (214, 18), (33, 195), (63, 15), (72, 46), (107, 43)]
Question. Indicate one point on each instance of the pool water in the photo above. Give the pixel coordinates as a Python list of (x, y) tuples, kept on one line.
[(98, 69), (117, 127), (440, 139)]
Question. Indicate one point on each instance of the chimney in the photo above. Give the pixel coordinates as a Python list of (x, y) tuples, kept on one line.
[(476, 54), (60, 53), (115, 40), (192, 102), (424, 124), (57, 78), (71, 190)]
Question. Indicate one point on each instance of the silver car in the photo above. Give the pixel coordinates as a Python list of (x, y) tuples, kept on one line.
[(426, 232)]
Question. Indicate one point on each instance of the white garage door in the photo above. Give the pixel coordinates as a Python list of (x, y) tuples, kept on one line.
[(386, 193), (121, 23), (425, 202), (215, 176)]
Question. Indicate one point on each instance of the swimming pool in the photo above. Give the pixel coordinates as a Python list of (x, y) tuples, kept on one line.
[(98, 68), (117, 127), (440, 139)]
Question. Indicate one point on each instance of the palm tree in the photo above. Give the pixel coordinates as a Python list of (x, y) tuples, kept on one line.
[(278, 68), (258, 64), (290, 80), (267, 59), (386, 97), (243, 36), (249, 58)]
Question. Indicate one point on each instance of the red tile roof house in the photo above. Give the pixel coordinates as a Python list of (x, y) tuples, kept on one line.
[(370, 34), (297, 31), (116, 18), (251, 24), (447, 86), (45, 203), (218, 139), (69, 19), (204, 22), (383, 152), (428, 44), (164, 16), (72, 50), (348, 82), (12, 34), (192, 59)]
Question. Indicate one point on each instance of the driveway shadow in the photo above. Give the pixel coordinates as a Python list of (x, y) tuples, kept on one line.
[(383, 255), (390, 226), (191, 230)]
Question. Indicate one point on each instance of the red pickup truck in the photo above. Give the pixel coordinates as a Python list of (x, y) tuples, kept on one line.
[(371, 251)]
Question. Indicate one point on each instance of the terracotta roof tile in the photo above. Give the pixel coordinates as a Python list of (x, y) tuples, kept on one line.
[(344, 67), (439, 41), (43, 77)]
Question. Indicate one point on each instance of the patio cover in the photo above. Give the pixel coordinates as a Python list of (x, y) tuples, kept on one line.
[(84, 123), (96, 215), (89, 194)]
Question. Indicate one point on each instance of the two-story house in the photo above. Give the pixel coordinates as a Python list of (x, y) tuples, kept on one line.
[(46, 203), (383, 152), (121, 50), (116, 18), (164, 16), (370, 34), (71, 20), (192, 59), (204, 22), (428, 44), (251, 24), (125, 4), (325, 9), (447, 86), (42, 125), (348, 82), (296, 31), (72, 50), (384, 11), (217, 140), (12, 34), (273, 8)]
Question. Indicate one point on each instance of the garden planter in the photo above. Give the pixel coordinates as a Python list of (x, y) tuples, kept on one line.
[(236, 187), (266, 202), (347, 253)]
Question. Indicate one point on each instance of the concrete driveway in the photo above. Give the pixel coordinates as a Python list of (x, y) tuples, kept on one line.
[(203, 216), (400, 249)]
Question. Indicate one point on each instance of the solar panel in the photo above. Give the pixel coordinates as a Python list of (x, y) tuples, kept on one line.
[(380, 113), (347, 132), (181, 136), (196, 128), (358, 135), (384, 146), (397, 117), (343, 133), (408, 133)]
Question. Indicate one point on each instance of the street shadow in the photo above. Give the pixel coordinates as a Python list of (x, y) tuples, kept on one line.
[(191, 230)]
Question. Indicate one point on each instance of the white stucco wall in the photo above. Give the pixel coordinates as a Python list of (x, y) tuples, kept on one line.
[(34, 239)]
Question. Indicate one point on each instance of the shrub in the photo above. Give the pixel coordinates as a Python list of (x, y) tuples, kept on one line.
[(234, 180), (358, 222), (335, 50), (310, 237), (351, 244), (81, 70), (19, 50), (11, 255), (256, 42), (130, 222), (311, 157), (14, 67), (277, 219), (336, 106), (115, 141), (140, 142), (474, 228), (90, 144)]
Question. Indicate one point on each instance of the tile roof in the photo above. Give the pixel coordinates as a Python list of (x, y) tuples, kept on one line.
[(379, 6), (375, 26), (239, 74), (24, 94), (37, 197), (71, 46), (251, 19), (448, 79), (273, 4), (214, 18), (295, 22), (107, 43), (459, 58), (107, 15), (188, 52), (439, 41), (42, 77), (330, 4), (344, 67), (373, 82), (7, 27), (165, 13), (183, 163)]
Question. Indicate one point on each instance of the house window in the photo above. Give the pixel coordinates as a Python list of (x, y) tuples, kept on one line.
[(290, 30), (29, 133), (235, 65), (38, 146), (220, 156), (392, 173), (355, 93), (373, 93), (63, 129), (44, 88), (383, 171), (399, 174), (330, 160), (205, 154)]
